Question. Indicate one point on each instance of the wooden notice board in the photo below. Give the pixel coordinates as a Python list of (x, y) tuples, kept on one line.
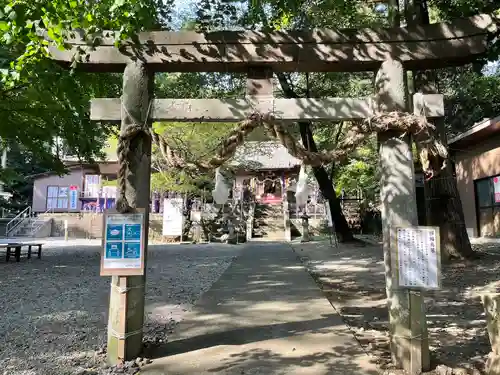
[(417, 257), (123, 243)]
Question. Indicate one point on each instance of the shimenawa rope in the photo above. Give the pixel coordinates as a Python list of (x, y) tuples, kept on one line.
[(432, 154)]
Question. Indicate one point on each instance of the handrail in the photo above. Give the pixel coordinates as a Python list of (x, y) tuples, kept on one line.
[(17, 220), (36, 228)]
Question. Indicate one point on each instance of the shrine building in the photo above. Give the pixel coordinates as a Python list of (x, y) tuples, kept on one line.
[(476, 154)]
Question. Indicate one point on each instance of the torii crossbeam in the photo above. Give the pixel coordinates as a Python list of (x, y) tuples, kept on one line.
[(418, 47), (232, 110)]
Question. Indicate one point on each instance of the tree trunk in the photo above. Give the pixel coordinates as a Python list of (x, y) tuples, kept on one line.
[(325, 184), (442, 200), (342, 229)]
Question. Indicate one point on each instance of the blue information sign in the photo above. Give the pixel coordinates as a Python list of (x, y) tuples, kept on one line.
[(133, 232), (114, 250), (114, 232), (123, 247), (132, 250)]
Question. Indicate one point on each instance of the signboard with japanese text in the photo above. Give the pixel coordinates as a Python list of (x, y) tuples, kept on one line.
[(92, 185), (173, 218), (418, 258), (73, 197), (196, 216), (123, 244)]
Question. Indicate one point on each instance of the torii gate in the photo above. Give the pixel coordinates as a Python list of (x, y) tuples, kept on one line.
[(388, 50)]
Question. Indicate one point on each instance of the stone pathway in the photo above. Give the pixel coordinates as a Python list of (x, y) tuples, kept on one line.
[(265, 315)]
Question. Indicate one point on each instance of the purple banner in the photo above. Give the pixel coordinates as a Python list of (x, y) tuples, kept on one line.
[(97, 205)]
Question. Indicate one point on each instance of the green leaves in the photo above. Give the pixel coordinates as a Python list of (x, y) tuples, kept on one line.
[(117, 4), (19, 21)]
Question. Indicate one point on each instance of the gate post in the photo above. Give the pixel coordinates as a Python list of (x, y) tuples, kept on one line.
[(407, 322), (126, 305)]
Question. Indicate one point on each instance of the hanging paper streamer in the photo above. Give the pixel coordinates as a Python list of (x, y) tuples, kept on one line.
[(302, 189), (221, 190)]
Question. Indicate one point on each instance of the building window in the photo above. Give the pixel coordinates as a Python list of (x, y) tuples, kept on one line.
[(488, 206), (57, 197), (483, 193), (488, 192)]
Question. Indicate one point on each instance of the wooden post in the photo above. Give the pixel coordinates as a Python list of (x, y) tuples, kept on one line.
[(259, 90), (126, 305), (407, 322)]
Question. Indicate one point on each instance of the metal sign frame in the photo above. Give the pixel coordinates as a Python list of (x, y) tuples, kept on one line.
[(124, 271)]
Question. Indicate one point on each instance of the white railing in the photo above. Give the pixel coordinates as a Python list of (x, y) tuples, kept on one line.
[(313, 210), (18, 220), (37, 224)]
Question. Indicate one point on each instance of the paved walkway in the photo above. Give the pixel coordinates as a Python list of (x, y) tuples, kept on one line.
[(265, 315)]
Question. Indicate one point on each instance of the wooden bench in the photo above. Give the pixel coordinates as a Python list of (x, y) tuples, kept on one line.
[(16, 248)]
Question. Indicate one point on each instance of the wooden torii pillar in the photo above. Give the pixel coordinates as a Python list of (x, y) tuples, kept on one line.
[(126, 304), (407, 319)]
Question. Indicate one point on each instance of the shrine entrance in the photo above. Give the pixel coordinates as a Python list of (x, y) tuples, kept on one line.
[(268, 188), (391, 113)]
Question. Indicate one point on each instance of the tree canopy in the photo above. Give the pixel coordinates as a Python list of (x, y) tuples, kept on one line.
[(41, 102)]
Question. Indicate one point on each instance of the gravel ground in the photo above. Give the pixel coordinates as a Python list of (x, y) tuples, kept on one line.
[(54, 309), (352, 278)]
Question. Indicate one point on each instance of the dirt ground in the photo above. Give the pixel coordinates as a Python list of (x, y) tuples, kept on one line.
[(352, 278)]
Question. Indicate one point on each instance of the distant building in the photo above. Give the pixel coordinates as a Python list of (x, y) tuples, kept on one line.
[(266, 169), (86, 187), (83, 188), (263, 169), (476, 153)]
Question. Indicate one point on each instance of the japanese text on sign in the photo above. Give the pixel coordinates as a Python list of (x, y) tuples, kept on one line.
[(123, 243), (418, 257), (73, 197)]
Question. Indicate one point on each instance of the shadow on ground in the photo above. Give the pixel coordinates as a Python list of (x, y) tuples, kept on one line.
[(353, 280), (264, 315), (54, 309)]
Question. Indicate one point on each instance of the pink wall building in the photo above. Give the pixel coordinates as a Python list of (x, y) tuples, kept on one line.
[(476, 153), (78, 190)]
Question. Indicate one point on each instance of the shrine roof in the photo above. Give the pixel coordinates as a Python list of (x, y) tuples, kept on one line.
[(263, 155), (479, 131)]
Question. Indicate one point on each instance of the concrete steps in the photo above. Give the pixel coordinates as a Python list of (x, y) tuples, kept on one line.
[(30, 227), (269, 222)]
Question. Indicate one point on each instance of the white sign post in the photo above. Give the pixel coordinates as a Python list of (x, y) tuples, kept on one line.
[(65, 230), (418, 258), (173, 218)]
